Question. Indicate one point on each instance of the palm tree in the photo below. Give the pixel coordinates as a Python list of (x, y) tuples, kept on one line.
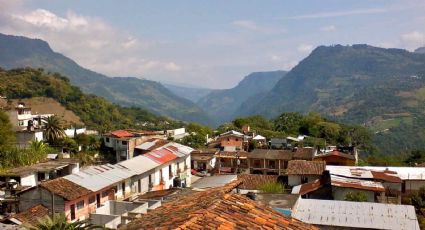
[(39, 146), (60, 222), (53, 129)]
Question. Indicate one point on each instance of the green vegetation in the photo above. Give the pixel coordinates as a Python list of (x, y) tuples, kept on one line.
[(418, 201), (7, 135), (271, 187), (54, 129), (60, 222), (197, 137), (356, 196), (96, 112)]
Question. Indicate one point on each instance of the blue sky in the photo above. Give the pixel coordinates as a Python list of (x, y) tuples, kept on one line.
[(212, 44)]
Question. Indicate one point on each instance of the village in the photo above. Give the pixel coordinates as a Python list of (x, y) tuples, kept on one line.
[(154, 181)]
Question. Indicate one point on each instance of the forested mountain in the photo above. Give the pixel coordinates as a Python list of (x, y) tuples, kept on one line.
[(96, 112), (420, 50), (18, 52), (223, 104), (381, 88), (191, 93)]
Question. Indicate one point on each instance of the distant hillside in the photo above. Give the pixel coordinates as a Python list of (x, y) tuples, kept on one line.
[(420, 50), (17, 52), (382, 88), (223, 104), (96, 112), (190, 93)]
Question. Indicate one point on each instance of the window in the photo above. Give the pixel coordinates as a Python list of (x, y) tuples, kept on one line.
[(92, 199), (107, 139), (237, 139), (80, 204), (124, 142)]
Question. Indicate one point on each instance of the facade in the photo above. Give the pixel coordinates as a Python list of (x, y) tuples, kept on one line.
[(204, 160), (24, 137), (269, 161), (231, 141)]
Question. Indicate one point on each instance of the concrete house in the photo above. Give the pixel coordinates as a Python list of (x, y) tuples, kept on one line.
[(301, 171)]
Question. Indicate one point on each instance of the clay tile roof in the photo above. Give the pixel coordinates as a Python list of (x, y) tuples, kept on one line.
[(270, 154), (65, 188), (302, 167), (303, 154), (121, 133), (312, 186), (32, 215), (215, 209), (255, 181), (385, 176)]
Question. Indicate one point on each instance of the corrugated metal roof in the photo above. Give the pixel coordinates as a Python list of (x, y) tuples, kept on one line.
[(356, 214), (161, 156), (96, 178), (357, 184), (139, 164)]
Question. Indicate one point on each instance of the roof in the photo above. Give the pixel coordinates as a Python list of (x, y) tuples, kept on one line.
[(98, 177), (215, 209), (302, 167), (139, 164), (343, 182), (356, 214), (303, 154), (255, 181), (223, 154), (232, 133), (377, 173), (151, 144), (213, 181), (305, 188), (65, 188), (202, 157), (272, 154), (39, 167), (259, 137), (121, 134), (336, 153), (161, 156), (32, 215)]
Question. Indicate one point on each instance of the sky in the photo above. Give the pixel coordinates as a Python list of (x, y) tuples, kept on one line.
[(211, 44)]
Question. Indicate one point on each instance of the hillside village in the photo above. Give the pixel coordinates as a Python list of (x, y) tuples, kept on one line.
[(151, 180)]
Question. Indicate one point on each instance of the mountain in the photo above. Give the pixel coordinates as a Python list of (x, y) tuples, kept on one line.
[(223, 104), (22, 52), (381, 88), (420, 50), (191, 93), (43, 91)]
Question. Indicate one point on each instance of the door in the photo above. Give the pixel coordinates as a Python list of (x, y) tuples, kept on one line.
[(98, 200), (72, 211), (123, 189), (139, 188)]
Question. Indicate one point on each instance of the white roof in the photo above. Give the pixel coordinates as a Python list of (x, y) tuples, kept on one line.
[(405, 173), (259, 137), (356, 214), (139, 164), (232, 132), (292, 138), (95, 178)]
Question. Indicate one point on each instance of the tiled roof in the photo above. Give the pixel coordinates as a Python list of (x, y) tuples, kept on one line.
[(65, 188), (32, 215), (302, 167), (303, 154), (337, 154), (121, 133), (271, 154), (386, 176), (255, 181), (305, 188), (215, 209)]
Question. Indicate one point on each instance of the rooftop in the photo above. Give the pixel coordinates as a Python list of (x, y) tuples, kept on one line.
[(343, 182), (161, 156), (151, 144), (356, 214), (302, 167), (121, 134), (215, 209), (31, 215), (213, 181), (271, 154), (65, 188), (337, 154), (388, 174), (255, 181), (40, 167)]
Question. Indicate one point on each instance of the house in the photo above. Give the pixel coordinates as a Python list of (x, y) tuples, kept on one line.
[(347, 156), (231, 141), (30, 176), (216, 208), (203, 160), (277, 143), (149, 145), (176, 134), (230, 162), (269, 161), (260, 140), (332, 214), (31, 216), (25, 137), (123, 142), (302, 171), (341, 186)]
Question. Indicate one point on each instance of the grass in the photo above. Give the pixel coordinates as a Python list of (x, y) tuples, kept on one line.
[(273, 187)]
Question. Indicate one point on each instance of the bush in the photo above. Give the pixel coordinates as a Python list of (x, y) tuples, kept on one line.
[(273, 187), (356, 196)]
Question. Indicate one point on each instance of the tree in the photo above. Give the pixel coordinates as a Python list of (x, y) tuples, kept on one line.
[(194, 140), (60, 222), (54, 129), (356, 196), (8, 138), (288, 122), (38, 146)]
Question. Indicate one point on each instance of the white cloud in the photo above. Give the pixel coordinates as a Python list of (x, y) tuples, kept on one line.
[(91, 41), (305, 48), (413, 39), (333, 14), (330, 28), (276, 58)]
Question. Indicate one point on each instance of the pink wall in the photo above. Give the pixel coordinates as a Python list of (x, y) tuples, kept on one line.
[(88, 208)]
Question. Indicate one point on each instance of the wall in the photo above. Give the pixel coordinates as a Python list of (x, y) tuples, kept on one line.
[(106, 221), (29, 180), (37, 195), (339, 193), (84, 212), (294, 180), (231, 141), (70, 132), (413, 185)]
